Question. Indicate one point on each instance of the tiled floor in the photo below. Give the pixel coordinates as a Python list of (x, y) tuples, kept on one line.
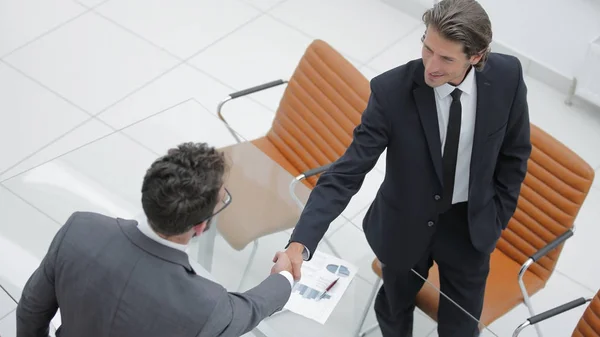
[(75, 71)]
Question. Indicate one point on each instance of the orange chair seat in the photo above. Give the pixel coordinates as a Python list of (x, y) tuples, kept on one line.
[(268, 148), (501, 295)]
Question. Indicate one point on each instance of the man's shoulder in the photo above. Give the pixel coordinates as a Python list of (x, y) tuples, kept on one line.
[(499, 63), (90, 224), (398, 76)]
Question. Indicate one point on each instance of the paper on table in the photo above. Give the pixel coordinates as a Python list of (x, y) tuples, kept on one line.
[(317, 275)]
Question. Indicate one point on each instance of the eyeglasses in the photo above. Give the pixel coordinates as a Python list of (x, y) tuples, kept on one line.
[(222, 204)]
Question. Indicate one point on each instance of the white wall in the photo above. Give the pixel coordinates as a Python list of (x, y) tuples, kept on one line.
[(553, 33)]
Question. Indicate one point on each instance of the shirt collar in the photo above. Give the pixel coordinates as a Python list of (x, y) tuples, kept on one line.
[(145, 228), (467, 86)]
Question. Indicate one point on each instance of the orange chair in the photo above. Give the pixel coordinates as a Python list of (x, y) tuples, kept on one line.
[(555, 187), (588, 325), (322, 104)]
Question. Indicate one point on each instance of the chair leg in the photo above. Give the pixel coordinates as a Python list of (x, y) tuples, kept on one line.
[(531, 313), (333, 250), (359, 332), (248, 264), (525, 294)]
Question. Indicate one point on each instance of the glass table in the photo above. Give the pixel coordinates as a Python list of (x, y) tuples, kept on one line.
[(105, 176)]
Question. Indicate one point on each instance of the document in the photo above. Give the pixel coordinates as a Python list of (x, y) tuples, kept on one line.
[(309, 296)]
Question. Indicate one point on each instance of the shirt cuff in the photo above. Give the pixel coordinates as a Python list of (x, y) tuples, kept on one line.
[(305, 254), (288, 276)]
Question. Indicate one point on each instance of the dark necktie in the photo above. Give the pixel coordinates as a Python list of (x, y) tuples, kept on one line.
[(451, 150)]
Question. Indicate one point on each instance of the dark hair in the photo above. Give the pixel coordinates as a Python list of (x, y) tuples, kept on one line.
[(463, 21), (181, 189)]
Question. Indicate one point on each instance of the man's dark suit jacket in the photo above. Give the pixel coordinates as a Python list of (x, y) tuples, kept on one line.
[(401, 116)]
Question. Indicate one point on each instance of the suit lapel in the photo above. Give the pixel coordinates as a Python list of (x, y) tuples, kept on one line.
[(483, 110), (425, 99)]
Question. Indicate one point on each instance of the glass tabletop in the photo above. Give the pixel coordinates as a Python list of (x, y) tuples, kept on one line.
[(105, 176)]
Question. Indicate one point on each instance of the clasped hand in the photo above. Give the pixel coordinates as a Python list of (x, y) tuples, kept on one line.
[(290, 260)]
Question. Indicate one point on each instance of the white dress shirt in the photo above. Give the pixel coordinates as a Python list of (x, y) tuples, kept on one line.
[(145, 228), (468, 101)]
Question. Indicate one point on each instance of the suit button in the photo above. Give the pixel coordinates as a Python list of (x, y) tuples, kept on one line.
[(437, 197), (430, 223)]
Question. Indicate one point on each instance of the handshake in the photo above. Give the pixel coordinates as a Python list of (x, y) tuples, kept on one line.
[(290, 260)]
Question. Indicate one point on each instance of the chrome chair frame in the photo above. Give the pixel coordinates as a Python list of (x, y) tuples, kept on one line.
[(526, 299), (293, 183)]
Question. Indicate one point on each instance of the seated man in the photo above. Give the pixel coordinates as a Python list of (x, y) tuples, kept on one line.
[(116, 277)]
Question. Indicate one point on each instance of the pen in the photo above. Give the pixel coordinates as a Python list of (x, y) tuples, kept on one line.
[(329, 288)]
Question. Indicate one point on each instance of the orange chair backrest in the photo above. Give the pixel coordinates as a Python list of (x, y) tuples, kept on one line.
[(556, 184), (320, 108), (589, 324)]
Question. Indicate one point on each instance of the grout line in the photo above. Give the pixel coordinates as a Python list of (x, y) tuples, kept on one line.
[(45, 87), (385, 49), (42, 148), (85, 11), (575, 281), (10, 312), (30, 204), (139, 36), (350, 59), (9, 295), (182, 60), (115, 131)]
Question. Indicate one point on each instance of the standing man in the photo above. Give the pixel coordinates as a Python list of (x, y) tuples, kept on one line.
[(456, 127)]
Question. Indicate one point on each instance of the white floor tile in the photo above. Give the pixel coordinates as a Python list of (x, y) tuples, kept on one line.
[(582, 249), (558, 291), (91, 3), (8, 325), (190, 121), (365, 195), (27, 20), (597, 179), (84, 134), (24, 238), (103, 177), (31, 117), (184, 27), (407, 49), (92, 62), (6, 304), (178, 85), (573, 126), (361, 30), (264, 5), (265, 50)]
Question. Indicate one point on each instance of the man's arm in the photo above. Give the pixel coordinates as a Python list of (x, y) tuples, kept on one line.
[(344, 178), (511, 166), (38, 303), (238, 313)]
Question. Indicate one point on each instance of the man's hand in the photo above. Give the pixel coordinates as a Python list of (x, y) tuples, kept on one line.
[(282, 262), (294, 252)]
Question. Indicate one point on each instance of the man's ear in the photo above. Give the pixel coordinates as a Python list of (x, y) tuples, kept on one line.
[(200, 228)]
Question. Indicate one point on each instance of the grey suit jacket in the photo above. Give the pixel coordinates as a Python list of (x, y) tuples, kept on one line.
[(110, 280)]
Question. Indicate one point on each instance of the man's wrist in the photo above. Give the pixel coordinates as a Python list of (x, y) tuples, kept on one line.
[(288, 276)]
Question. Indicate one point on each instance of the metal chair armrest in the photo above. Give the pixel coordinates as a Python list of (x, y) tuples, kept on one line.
[(302, 176), (534, 258), (550, 313), (543, 251), (242, 93)]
